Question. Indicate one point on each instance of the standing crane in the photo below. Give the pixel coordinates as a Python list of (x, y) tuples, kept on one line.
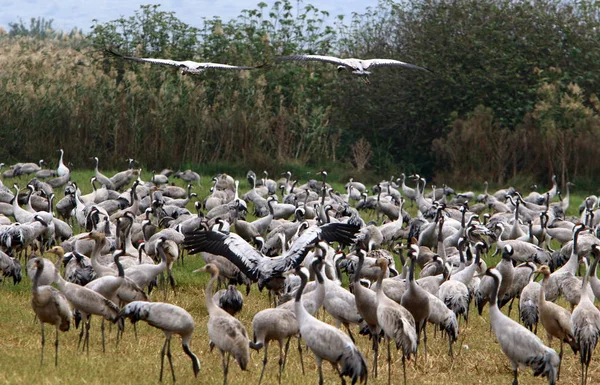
[(171, 320), (521, 346), (397, 323), (50, 306), (555, 319), (366, 304), (275, 324), (225, 331), (328, 342), (415, 299), (586, 321), (88, 302)]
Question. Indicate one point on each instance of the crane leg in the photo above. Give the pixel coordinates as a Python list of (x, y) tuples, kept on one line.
[(80, 337), (300, 352), (350, 332), (287, 346), (162, 359), (56, 349), (375, 337), (43, 343), (515, 374), (450, 343), (425, 337), (172, 281), (560, 356), (510, 305), (103, 340), (337, 369), (225, 365), (319, 366), (282, 358), (389, 362), (265, 359), (86, 342), (403, 367), (170, 358)]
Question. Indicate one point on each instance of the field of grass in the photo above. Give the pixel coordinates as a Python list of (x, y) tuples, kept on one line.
[(478, 358)]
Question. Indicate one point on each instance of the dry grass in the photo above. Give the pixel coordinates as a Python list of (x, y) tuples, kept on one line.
[(478, 359)]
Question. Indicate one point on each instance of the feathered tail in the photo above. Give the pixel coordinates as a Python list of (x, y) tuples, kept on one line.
[(529, 315), (354, 365), (546, 365)]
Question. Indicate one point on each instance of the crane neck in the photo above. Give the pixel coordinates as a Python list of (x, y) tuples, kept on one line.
[(36, 277), (119, 266), (210, 305), (542, 293), (494, 293), (361, 261)]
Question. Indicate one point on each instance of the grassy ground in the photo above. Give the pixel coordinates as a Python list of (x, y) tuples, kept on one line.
[(478, 359)]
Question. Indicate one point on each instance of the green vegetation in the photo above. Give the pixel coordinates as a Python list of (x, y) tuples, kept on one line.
[(511, 94)]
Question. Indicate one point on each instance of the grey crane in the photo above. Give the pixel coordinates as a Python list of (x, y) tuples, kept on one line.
[(78, 267), (50, 306), (528, 304), (506, 268), (47, 277), (88, 302), (101, 178), (253, 263), (171, 320), (10, 267), (444, 318), (314, 299), (555, 319), (145, 273), (366, 304), (328, 343), (187, 66), (521, 278), (396, 322), (229, 299), (586, 321), (275, 324), (521, 346), (224, 331), (116, 288), (415, 299), (188, 175)]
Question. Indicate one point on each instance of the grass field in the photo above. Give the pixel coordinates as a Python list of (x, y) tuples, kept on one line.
[(478, 359)]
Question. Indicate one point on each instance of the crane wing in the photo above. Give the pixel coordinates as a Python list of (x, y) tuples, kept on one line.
[(169, 62), (372, 63), (226, 66), (326, 59), (344, 233), (230, 246)]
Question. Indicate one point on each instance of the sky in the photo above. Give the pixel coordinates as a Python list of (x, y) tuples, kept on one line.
[(68, 14)]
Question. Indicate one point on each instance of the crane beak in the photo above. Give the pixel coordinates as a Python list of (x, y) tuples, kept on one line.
[(201, 270)]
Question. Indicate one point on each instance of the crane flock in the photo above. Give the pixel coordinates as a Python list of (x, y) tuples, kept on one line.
[(357, 67), (122, 242)]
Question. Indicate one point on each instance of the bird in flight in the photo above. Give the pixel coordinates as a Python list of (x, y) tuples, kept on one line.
[(187, 66), (358, 67)]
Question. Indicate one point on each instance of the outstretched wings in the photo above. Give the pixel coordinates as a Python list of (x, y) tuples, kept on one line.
[(372, 63), (321, 58), (230, 246), (187, 64), (344, 233), (253, 263)]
